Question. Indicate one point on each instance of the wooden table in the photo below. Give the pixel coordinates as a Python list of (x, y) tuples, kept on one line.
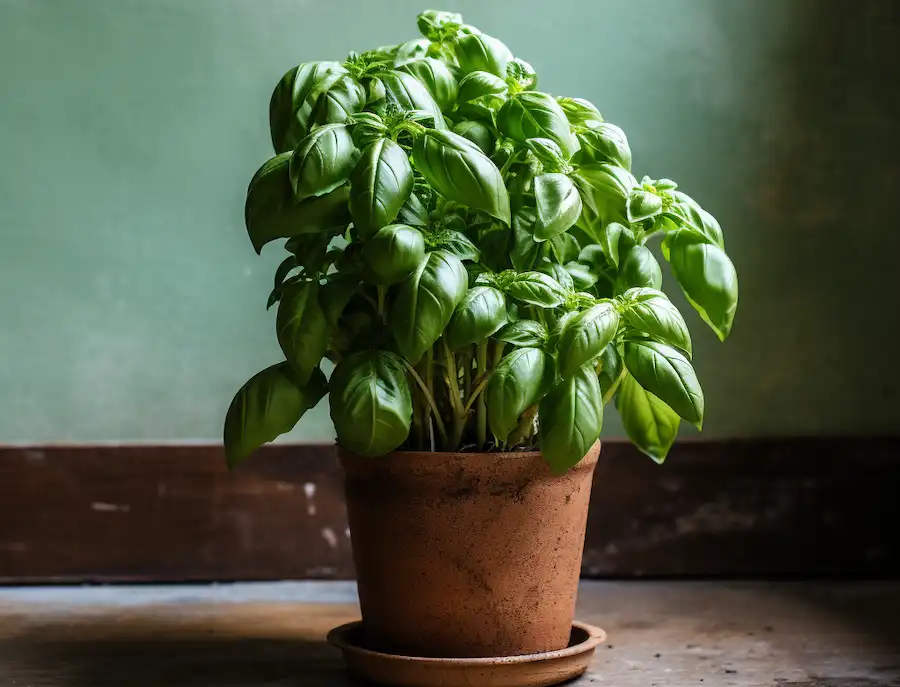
[(793, 634)]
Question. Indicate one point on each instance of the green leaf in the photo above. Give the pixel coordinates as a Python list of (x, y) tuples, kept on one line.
[(525, 249), (394, 252), (537, 288), (268, 405), (639, 269), (580, 112), (323, 161), (379, 186), (611, 186), (604, 143), (696, 218), (558, 205), (414, 49), (585, 336), (339, 102), (708, 278), (610, 369), (271, 212), (532, 114), (436, 77), (571, 417), (642, 205), (413, 212), (302, 328), (609, 240), (311, 250), (523, 334), (548, 152), (291, 106), (582, 276), (651, 312), (284, 269), (425, 303), (458, 244), (433, 23), (560, 274), (521, 74), (482, 53), (336, 294), (406, 92), (481, 312), (479, 84), (516, 384), (479, 133), (565, 247), (666, 373), (648, 422), (371, 405), (458, 170)]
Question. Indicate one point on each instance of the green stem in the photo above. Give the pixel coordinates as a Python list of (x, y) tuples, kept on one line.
[(459, 413), (481, 412), (607, 397), (382, 293), (523, 429), (429, 397)]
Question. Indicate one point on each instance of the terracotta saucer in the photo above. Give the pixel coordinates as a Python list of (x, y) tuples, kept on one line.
[(532, 670)]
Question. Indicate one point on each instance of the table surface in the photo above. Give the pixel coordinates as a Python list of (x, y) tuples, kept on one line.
[(789, 634)]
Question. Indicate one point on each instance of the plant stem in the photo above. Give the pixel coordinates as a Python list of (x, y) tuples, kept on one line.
[(607, 397), (382, 292), (459, 413), (429, 398), (481, 411), (526, 423)]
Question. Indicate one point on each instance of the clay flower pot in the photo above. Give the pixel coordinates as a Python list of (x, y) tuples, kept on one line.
[(467, 554)]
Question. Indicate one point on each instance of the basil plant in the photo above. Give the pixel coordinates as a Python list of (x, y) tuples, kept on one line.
[(473, 256)]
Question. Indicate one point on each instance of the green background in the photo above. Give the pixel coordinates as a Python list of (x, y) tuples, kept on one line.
[(132, 305)]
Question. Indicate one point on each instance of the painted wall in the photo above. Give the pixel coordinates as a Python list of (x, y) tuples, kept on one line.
[(131, 303)]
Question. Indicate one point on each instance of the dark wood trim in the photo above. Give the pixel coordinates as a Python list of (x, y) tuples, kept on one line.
[(778, 507)]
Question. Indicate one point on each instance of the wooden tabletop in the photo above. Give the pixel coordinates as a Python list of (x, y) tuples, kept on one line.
[(794, 634)]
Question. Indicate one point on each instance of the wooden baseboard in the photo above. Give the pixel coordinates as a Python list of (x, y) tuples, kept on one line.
[(779, 507)]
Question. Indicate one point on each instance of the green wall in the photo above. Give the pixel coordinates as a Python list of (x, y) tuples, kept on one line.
[(132, 305)]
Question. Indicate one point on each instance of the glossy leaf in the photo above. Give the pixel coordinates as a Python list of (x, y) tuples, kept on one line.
[(611, 367), (557, 203), (642, 205), (339, 102), (548, 152), (651, 312), (482, 53), (458, 170), (560, 274), (425, 302), (323, 161), (582, 276), (585, 336), (406, 92), (650, 424), (371, 405), (537, 288), (516, 384), (458, 244), (478, 84), (268, 405), (639, 269), (667, 374), (580, 112), (480, 313), (611, 186), (604, 143), (697, 218), (295, 95), (708, 278), (335, 294), (564, 247), (433, 23), (571, 417), (436, 77), (394, 252), (379, 186), (302, 328), (609, 240), (523, 334), (479, 133), (524, 252), (533, 114)]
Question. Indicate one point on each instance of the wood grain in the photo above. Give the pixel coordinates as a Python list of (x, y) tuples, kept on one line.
[(749, 508)]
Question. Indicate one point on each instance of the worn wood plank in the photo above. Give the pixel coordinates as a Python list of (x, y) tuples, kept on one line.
[(761, 507), (660, 633)]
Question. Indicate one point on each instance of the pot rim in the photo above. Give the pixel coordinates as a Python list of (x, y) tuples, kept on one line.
[(410, 453)]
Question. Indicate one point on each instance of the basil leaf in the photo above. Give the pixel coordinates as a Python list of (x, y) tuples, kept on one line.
[(479, 133), (284, 269), (336, 293), (532, 114), (458, 244), (537, 288), (585, 336), (708, 279), (371, 405), (516, 384), (425, 303), (310, 249), (651, 312), (609, 240), (565, 247), (604, 143), (642, 205), (323, 161), (523, 334), (611, 185), (639, 268), (379, 186), (479, 84), (697, 218), (548, 152), (406, 92), (268, 405), (302, 328), (525, 249), (480, 313), (667, 374), (458, 170), (650, 424), (580, 112), (559, 273), (557, 203), (482, 53), (431, 23), (394, 252), (271, 212), (436, 77), (413, 212), (415, 49), (290, 109), (610, 369), (571, 417), (581, 274), (339, 102)]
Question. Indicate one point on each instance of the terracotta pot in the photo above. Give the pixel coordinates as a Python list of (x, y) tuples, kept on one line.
[(467, 554)]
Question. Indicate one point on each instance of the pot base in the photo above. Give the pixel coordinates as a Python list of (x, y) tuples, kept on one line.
[(531, 670)]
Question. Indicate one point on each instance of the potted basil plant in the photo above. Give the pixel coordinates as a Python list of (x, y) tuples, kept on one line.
[(473, 256)]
